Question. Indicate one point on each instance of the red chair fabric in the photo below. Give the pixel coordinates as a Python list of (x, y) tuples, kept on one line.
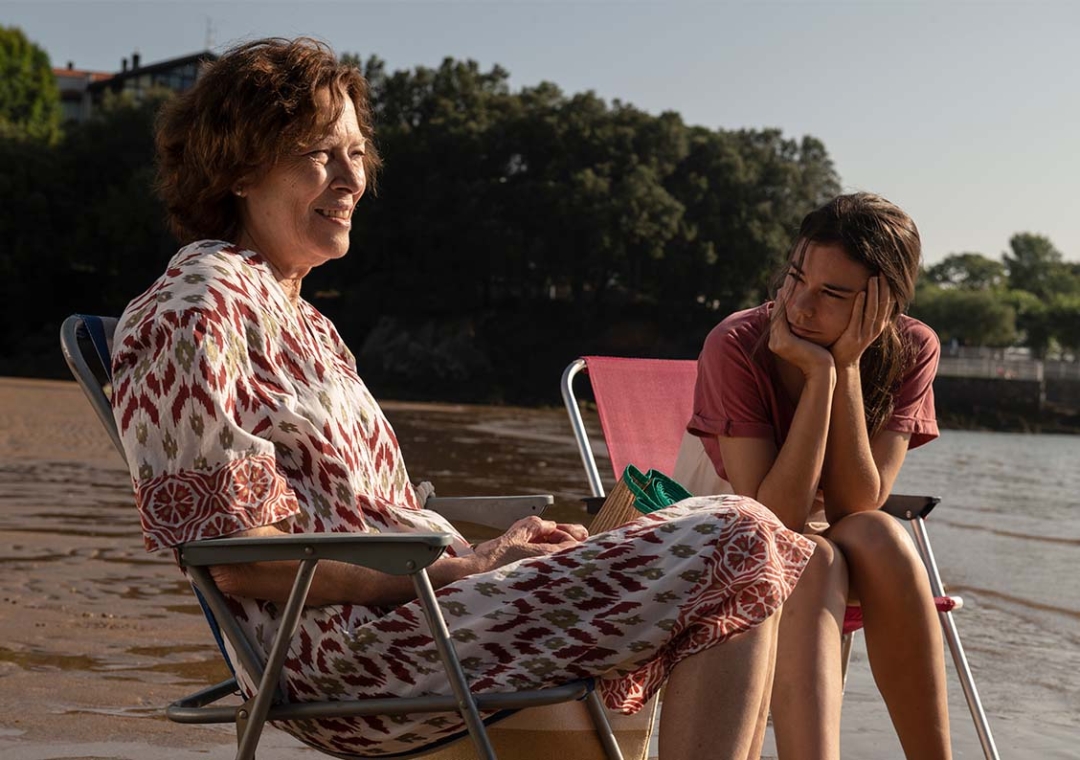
[(853, 617), (644, 405)]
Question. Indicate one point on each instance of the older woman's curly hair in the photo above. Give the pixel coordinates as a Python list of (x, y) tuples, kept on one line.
[(257, 103)]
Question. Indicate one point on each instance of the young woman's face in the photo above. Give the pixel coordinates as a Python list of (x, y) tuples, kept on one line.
[(821, 289)]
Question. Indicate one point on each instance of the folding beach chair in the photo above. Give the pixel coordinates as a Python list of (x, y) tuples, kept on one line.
[(86, 343), (644, 406)]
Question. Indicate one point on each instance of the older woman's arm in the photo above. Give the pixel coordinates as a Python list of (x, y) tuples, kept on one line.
[(342, 583)]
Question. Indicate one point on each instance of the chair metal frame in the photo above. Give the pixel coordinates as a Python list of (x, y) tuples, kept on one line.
[(86, 342), (912, 510)]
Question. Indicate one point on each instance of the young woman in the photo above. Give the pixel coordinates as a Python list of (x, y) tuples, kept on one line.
[(809, 404)]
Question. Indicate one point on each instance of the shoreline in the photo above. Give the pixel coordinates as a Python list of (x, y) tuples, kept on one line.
[(978, 413)]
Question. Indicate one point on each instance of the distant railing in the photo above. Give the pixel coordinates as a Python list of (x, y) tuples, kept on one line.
[(1008, 368), (1058, 370)]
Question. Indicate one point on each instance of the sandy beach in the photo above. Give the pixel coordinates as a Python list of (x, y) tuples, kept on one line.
[(96, 636)]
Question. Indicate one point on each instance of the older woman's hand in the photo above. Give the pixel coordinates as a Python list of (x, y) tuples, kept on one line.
[(530, 537)]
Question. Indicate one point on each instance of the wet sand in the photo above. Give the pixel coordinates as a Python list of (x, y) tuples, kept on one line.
[(96, 636)]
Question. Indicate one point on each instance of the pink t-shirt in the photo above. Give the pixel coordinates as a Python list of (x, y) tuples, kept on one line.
[(739, 394)]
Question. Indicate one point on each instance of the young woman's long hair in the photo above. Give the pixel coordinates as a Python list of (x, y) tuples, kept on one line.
[(880, 236)]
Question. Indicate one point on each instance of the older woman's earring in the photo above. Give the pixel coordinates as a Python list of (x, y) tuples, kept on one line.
[(239, 192)]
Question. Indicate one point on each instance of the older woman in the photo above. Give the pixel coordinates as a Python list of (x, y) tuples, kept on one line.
[(242, 414)]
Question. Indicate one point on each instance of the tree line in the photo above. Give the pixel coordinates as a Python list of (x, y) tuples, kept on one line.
[(1030, 297), (511, 231)]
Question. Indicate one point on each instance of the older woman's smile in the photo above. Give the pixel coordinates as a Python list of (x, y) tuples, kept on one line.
[(337, 214)]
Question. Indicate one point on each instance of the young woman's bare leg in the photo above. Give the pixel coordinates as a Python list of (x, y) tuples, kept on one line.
[(713, 700), (766, 700), (807, 689), (903, 635)]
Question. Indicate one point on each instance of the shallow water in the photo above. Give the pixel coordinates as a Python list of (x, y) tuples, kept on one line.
[(1007, 538), (97, 631)]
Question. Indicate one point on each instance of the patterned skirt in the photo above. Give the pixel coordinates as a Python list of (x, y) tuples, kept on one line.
[(623, 607)]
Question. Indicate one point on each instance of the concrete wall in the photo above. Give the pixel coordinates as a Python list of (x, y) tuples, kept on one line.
[(1019, 405)]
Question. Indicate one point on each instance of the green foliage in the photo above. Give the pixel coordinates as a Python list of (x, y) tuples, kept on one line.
[(1065, 316), (510, 231), (969, 317), (969, 271), (1036, 266), (82, 230), (496, 195), (745, 193), (514, 229), (1031, 295), (29, 222), (1033, 319), (29, 98)]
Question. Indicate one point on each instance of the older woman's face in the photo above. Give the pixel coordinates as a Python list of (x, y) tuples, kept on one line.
[(298, 215)]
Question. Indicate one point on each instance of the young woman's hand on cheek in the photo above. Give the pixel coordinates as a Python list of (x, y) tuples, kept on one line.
[(870, 313), (805, 355)]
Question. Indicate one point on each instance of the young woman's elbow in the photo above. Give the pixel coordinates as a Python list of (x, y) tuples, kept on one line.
[(793, 516), (837, 509)]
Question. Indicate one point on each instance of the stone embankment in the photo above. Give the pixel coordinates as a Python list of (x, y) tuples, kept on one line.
[(1046, 405)]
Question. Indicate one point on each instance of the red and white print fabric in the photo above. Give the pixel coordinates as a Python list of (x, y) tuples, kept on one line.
[(239, 409)]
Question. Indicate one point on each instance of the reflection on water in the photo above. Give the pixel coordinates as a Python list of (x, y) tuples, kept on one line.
[(485, 451), (45, 661), (1006, 535), (135, 664)]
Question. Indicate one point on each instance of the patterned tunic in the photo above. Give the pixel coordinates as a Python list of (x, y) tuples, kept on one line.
[(239, 409)]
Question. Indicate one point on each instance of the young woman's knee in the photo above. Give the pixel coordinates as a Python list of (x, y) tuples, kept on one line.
[(827, 566), (872, 535)]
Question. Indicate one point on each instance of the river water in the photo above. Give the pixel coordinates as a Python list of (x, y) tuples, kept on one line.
[(1007, 538), (95, 636)]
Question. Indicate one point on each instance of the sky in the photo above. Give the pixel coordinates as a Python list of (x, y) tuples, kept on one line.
[(966, 114)]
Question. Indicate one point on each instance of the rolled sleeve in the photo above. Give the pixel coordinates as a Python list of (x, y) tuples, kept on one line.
[(914, 412), (728, 399), (196, 434)]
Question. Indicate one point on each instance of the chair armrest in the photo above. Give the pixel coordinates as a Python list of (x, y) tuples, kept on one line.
[(393, 553), (909, 507), (491, 511)]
